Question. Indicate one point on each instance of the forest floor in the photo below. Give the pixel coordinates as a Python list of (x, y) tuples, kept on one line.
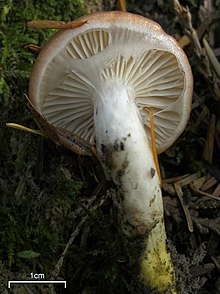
[(52, 199)]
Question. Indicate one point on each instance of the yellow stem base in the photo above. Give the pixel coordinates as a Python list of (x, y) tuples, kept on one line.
[(156, 268)]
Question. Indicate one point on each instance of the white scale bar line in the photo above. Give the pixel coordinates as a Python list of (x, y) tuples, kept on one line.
[(36, 282)]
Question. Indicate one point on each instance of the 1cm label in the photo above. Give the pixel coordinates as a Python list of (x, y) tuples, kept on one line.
[(37, 276)]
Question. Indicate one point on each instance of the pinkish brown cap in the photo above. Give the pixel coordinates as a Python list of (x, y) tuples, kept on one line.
[(111, 46)]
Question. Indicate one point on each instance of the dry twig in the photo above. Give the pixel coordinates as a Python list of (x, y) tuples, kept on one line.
[(204, 66), (208, 151)]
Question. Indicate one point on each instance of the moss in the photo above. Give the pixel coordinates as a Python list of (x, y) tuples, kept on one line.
[(16, 62), (35, 212)]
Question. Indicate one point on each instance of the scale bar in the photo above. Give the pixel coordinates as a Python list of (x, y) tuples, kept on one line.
[(36, 282)]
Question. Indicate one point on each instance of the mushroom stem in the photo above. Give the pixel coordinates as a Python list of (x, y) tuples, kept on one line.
[(126, 156)]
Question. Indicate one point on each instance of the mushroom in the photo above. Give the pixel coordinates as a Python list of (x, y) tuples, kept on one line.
[(98, 82)]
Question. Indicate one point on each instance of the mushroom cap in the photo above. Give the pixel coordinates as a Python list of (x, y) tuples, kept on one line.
[(117, 47)]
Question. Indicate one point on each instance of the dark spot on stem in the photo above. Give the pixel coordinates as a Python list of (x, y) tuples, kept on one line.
[(152, 200), (103, 148), (152, 172)]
